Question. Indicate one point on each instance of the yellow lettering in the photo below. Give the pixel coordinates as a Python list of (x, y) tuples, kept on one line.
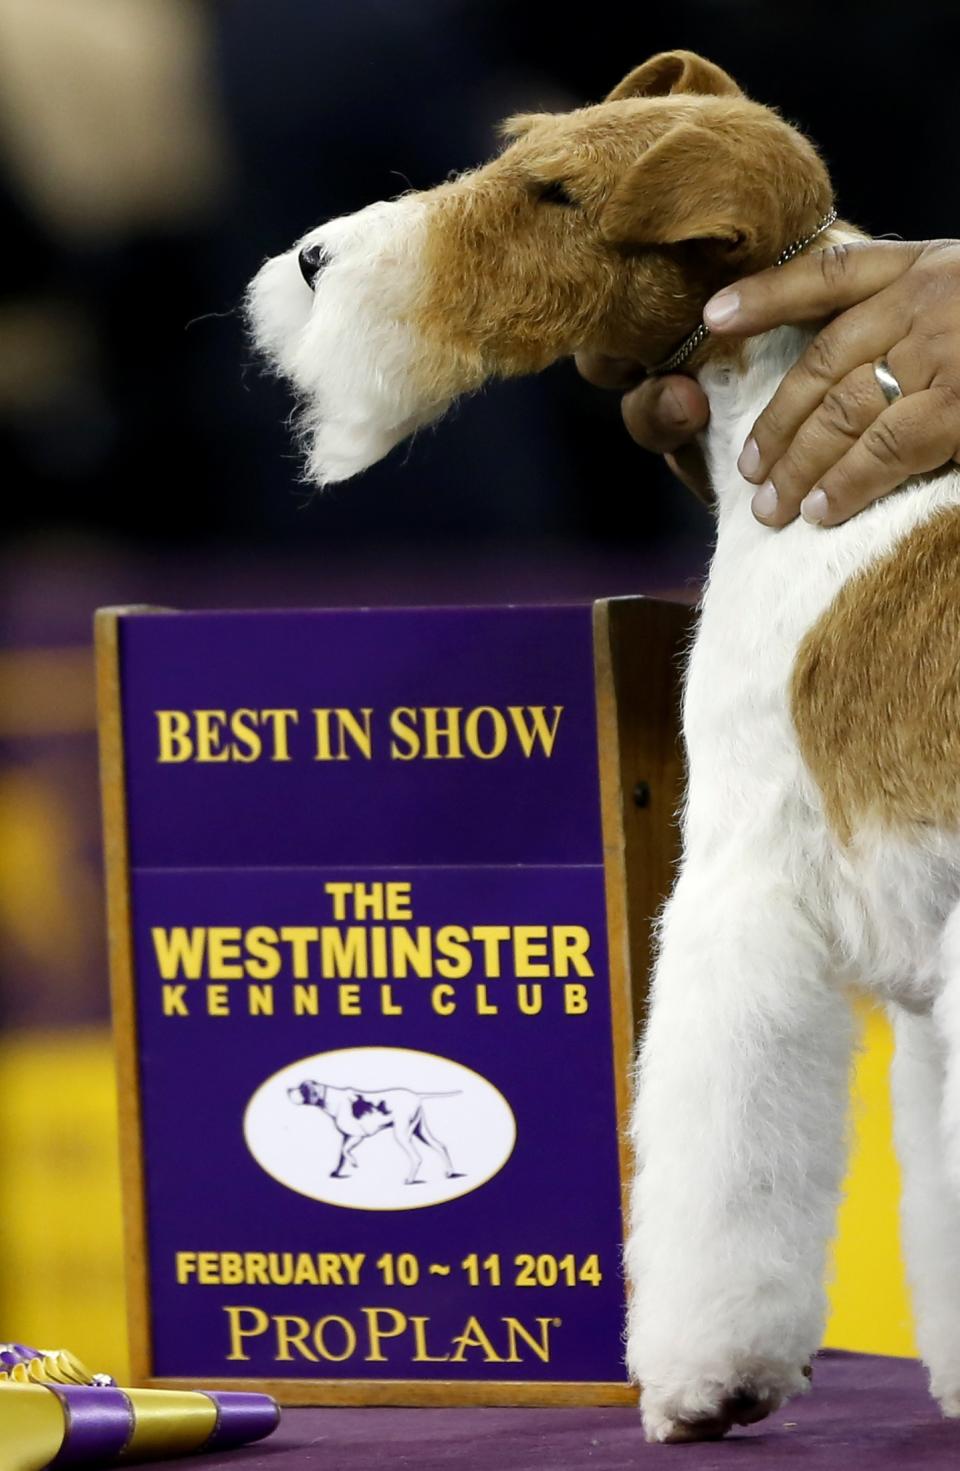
[(570, 945), (173, 735), (281, 720), (263, 957), (174, 1003), (471, 733), (443, 1000), (231, 1269), (348, 998), (420, 1355), (208, 724), (405, 733), (247, 745), (179, 952), (208, 1269), (343, 952), (399, 901), (298, 937), (446, 732), (491, 936), (186, 1266), (349, 1339), (412, 952), (306, 1000), (338, 893), (223, 953), (377, 1334), (529, 943), (530, 999), (542, 732), (516, 1330), (293, 1337), (238, 1333), (260, 1000), (347, 726), (575, 1001), (218, 1001), (473, 1336), (452, 943)]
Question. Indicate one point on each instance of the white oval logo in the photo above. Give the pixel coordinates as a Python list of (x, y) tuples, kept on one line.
[(379, 1128)]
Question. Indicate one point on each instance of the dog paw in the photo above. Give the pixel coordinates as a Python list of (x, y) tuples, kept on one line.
[(946, 1392), (705, 1409)]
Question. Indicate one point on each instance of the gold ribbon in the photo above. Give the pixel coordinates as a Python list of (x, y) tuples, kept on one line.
[(168, 1422), (32, 1426), (57, 1367)]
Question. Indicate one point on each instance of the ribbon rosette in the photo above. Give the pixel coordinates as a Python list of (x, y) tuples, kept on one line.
[(54, 1413)]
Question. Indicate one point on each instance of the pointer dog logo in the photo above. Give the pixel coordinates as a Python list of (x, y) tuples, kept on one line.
[(380, 1128), (357, 1116)]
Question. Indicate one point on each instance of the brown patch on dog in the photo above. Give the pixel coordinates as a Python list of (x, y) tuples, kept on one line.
[(875, 693), (608, 228)]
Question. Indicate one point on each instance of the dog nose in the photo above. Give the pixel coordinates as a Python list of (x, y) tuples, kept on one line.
[(312, 259)]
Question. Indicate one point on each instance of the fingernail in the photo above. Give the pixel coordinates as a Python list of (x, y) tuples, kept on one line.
[(671, 409), (749, 461), (814, 507), (721, 308), (765, 501)]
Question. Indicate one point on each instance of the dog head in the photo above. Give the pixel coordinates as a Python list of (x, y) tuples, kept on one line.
[(606, 228), (309, 1092)]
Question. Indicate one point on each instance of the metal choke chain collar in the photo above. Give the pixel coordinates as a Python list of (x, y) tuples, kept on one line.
[(700, 333)]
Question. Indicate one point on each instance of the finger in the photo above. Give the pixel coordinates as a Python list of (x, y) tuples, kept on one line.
[(811, 287), (664, 413), (607, 372), (690, 468), (858, 336), (847, 410), (919, 432)]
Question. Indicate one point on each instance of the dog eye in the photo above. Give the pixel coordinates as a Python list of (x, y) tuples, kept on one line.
[(555, 192)]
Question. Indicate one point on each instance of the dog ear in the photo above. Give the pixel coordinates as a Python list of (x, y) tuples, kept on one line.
[(693, 184), (675, 71)]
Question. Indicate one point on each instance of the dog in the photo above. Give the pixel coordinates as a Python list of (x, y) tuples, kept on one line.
[(358, 1116), (821, 712)]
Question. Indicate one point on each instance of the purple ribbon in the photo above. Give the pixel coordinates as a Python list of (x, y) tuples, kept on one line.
[(99, 1424), (13, 1354), (241, 1418)]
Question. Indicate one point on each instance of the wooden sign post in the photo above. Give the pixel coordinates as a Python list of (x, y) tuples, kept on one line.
[(380, 882)]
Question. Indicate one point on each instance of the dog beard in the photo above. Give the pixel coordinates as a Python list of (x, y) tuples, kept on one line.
[(364, 376)]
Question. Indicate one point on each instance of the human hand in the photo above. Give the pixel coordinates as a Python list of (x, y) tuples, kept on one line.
[(829, 443), (661, 414)]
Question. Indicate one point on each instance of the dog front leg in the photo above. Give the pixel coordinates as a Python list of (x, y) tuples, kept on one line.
[(930, 1205), (738, 1129)]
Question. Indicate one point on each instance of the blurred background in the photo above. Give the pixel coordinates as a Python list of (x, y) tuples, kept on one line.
[(152, 152)]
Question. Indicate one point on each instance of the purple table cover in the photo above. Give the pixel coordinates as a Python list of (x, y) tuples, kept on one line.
[(863, 1411)]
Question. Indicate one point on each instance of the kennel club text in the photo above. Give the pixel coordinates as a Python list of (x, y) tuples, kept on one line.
[(406, 733), (370, 940)]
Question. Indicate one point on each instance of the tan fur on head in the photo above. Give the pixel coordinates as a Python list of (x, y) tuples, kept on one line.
[(605, 228)]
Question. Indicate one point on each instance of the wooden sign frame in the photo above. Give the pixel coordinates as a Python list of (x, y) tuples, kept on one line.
[(638, 646)]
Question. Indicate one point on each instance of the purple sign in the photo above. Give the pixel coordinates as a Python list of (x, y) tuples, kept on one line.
[(364, 1003)]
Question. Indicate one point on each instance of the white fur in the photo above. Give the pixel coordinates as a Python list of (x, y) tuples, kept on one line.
[(741, 1105), (348, 347), (740, 1114)]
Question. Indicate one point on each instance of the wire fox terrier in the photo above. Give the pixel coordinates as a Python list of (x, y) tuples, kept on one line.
[(821, 828)]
